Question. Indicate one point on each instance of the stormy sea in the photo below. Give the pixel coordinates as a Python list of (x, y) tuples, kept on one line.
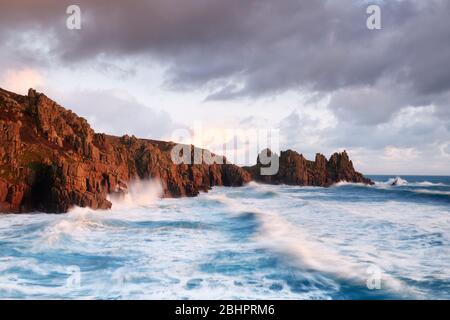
[(348, 241)]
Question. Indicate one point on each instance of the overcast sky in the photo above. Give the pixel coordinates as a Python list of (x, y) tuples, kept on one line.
[(311, 69)]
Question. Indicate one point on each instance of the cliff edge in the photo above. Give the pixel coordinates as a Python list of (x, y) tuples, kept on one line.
[(295, 169), (51, 159)]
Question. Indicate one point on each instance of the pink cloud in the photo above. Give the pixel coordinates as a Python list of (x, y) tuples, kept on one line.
[(21, 80)]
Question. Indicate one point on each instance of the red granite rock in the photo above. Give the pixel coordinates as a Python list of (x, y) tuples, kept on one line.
[(51, 160), (294, 169)]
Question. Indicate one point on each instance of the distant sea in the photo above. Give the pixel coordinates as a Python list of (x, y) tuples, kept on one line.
[(348, 241)]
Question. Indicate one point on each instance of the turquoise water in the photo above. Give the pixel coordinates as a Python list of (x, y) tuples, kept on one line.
[(259, 242)]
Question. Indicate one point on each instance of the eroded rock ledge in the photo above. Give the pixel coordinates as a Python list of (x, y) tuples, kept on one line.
[(51, 160), (294, 169)]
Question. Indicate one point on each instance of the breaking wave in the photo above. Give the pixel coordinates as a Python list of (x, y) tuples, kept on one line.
[(346, 183), (140, 193), (254, 242), (399, 181), (280, 235), (433, 192)]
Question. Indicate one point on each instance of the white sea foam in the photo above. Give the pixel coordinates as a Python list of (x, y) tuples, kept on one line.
[(437, 192), (80, 222), (220, 246), (399, 181), (346, 183), (280, 235), (140, 193), (429, 184)]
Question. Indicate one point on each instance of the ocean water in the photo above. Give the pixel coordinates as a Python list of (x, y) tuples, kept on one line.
[(348, 241)]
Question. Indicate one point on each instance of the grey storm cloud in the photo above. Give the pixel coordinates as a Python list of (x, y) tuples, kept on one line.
[(262, 47), (418, 128), (117, 113)]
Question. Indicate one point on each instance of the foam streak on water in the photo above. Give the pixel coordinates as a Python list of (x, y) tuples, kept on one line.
[(259, 241)]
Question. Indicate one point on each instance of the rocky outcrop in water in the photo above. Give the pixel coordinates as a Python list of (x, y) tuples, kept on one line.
[(51, 160), (294, 169)]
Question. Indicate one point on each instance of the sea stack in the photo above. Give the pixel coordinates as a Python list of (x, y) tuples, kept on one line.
[(294, 169)]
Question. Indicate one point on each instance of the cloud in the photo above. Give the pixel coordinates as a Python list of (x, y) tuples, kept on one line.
[(21, 80), (116, 112), (413, 140), (367, 105), (377, 89), (258, 47), (323, 45), (445, 150), (393, 153)]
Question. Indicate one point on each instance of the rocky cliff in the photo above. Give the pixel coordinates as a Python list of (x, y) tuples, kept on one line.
[(294, 169), (51, 160)]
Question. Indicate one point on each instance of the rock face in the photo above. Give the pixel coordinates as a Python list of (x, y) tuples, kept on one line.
[(294, 169), (51, 160)]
